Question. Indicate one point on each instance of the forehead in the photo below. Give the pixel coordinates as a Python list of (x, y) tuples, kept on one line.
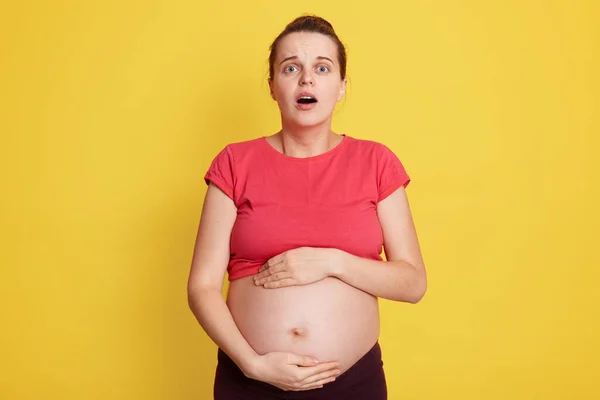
[(303, 44)]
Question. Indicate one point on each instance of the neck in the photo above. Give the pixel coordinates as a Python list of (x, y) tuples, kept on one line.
[(307, 141)]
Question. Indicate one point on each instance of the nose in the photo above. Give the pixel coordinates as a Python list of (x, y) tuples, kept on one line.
[(306, 78)]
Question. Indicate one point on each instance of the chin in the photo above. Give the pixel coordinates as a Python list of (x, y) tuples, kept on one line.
[(308, 124), (309, 121)]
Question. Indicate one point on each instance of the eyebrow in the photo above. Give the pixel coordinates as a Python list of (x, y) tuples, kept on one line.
[(295, 57)]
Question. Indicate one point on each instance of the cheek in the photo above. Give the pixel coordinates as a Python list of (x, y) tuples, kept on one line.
[(330, 98), (282, 94)]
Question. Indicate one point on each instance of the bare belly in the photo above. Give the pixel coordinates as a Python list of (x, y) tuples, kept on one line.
[(329, 320)]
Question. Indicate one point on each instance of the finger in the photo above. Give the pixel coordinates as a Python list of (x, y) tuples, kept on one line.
[(275, 260), (332, 373), (260, 275), (303, 388), (301, 361), (318, 384), (307, 372), (260, 279), (278, 268), (280, 283), (270, 271), (277, 276), (265, 266), (271, 262)]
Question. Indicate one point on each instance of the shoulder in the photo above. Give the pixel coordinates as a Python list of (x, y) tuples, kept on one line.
[(381, 156), (237, 149), (231, 164), (235, 152), (386, 165), (245, 144), (366, 147)]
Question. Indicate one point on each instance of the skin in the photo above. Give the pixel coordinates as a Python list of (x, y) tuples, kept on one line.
[(269, 334)]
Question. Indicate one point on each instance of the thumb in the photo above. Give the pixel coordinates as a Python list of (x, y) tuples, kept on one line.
[(303, 361)]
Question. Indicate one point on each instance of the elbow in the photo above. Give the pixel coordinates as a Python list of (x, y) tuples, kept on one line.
[(417, 296), (192, 298), (418, 290), (197, 293)]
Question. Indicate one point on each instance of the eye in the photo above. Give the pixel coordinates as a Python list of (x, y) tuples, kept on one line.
[(323, 68), (290, 68)]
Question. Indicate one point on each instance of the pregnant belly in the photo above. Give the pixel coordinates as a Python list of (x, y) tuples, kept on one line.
[(328, 320)]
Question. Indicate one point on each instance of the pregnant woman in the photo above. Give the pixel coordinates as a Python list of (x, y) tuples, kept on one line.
[(299, 219)]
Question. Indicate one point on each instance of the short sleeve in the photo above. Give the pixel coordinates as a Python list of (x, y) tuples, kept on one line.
[(221, 173), (391, 173)]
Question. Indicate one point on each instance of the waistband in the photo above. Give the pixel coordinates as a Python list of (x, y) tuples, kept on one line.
[(361, 371)]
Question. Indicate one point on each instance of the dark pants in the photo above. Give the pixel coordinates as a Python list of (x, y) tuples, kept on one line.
[(365, 380)]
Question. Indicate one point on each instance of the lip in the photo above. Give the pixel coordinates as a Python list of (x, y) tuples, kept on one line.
[(306, 94), (308, 106)]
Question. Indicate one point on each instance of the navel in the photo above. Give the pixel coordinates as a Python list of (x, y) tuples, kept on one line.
[(298, 333)]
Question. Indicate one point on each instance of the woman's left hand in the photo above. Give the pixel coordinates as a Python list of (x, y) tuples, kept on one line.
[(299, 266)]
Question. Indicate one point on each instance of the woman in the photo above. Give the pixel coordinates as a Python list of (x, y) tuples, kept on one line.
[(298, 219)]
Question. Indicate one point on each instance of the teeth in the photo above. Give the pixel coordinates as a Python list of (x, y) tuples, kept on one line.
[(306, 100)]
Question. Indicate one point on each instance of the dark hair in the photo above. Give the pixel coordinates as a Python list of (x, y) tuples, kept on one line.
[(313, 24)]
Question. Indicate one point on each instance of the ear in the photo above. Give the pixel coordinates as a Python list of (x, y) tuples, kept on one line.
[(342, 89), (270, 80)]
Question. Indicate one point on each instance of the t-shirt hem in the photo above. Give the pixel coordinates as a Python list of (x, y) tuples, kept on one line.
[(240, 274)]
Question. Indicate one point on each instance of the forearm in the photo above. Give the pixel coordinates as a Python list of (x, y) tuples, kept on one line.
[(392, 280), (214, 316)]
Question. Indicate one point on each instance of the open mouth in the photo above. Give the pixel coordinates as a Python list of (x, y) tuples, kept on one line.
[(306, 100)]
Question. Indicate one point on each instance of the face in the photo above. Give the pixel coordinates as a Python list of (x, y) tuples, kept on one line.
[(306, 79)]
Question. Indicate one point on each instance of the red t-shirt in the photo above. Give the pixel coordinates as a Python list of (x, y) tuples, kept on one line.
[(329, 200)]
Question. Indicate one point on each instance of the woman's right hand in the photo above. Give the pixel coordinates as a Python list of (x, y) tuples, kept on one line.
[(292, 372)]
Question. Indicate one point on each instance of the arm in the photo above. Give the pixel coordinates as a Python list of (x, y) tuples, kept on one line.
[(403, 276), (287, 371), (205, 283)]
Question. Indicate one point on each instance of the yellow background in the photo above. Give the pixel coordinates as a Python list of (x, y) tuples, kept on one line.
[(112, 111)]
